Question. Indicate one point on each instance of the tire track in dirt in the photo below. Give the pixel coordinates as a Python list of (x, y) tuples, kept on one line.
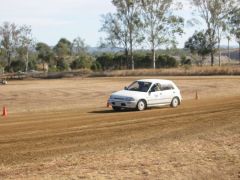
[(35, 136)]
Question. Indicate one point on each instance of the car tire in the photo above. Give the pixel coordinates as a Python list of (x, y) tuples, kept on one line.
[(175, 102), (141, 105), (116, 108)]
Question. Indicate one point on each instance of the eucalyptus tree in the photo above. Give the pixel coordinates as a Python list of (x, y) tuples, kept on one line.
[(228, 39), (159, 25), (234, 22), (117, 33), (25, 42), (199, 44), (214, 13), (9, 38), (79, 46), (63, 48), (127, 16), (44, 53)]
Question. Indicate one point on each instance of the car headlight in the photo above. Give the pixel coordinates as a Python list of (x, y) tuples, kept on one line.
[(129, 99)]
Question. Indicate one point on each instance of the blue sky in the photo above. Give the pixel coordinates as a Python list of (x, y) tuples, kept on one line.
[(53, 19)]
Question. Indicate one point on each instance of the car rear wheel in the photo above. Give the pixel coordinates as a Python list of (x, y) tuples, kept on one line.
[(175, 102), (141, 105)]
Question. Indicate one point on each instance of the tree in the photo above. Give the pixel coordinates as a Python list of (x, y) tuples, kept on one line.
[(200, 44), (234, 22), (63, 48), (9, 37), (44, 53), (214, 13), (160, 26), (128, 14), (229, 38), (117, 33), (79, 46), (25, 41)]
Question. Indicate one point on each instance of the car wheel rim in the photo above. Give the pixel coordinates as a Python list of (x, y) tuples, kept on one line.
[(175, 102), (141, 105)]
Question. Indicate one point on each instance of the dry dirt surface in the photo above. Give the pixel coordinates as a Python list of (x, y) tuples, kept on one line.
[(61, 129)]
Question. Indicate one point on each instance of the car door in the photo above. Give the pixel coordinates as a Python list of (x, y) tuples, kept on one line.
[(154, 95), (166, 94)]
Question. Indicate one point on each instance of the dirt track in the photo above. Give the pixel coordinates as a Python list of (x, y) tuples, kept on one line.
[(198, 140)]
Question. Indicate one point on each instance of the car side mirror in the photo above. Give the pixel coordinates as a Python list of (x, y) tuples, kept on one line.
[(125, 88)]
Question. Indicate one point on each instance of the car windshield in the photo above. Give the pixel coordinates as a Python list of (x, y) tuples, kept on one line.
[(140, 86)]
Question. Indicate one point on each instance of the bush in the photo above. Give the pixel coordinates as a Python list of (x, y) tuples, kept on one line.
[(106, 61), (32, 65), (16, 66), (185, 61), (1, 69), (82, 62), (165, 61), (61, 65), (53, 69), (96, 66), (120, 61), (143, 60)]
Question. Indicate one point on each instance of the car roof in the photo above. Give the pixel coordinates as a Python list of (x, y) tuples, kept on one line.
[(164, 81)]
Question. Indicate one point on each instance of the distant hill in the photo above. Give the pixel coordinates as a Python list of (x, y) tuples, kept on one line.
[(234, 54), (94, 50)]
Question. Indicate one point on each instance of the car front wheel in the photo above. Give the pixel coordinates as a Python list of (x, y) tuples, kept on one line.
[(141, 105), (175, 102)]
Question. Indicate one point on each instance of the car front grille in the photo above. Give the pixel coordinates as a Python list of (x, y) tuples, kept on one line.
[(118, 98)]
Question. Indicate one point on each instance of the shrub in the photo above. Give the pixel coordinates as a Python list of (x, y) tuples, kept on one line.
[(16, 66), (185, 61), (32, 65), (96, 66), (143, 60), (1, 69), (106, 61), (61, 64), (82, 62), (120, 61), (165, 61)]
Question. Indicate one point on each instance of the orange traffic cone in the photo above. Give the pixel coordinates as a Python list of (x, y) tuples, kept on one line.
[(4, 111)]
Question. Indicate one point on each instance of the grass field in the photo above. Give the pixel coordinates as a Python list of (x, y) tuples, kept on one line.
[(61, 129)]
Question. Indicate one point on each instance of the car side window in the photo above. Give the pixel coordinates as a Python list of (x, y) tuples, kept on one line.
[(166, 87), (156, 87)]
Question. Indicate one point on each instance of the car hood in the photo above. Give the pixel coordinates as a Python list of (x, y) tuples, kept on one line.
[(127, 93)]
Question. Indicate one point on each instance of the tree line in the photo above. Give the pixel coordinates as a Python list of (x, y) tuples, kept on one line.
[(153, 24), (135, 24), (19, 52)]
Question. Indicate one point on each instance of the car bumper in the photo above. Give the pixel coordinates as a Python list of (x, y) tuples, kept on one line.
[(122, 104)]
